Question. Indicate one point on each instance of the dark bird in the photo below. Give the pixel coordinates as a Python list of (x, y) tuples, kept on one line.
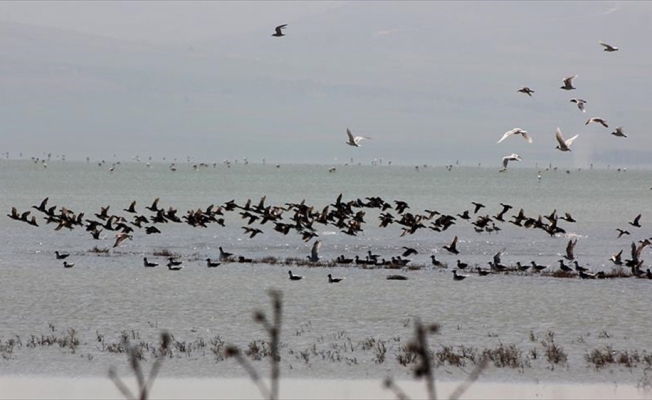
[(14, 214), (251, 231), (334, 280), (436, 262), (154, 206), (482, 272), (622, 232), (526, 90), (409, 251), (294, 277), (608, 48), (131, 208), (564, 267), (42, 207), (457, 277), (151, 230), (174, 265), (278, 32), (66, 264), (61, 256), (212, 264), (149, 264), (478, 206), (461, 265), (636, 221), (452, 247)]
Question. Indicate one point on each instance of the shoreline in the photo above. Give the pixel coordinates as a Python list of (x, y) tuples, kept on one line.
[(42, 387)]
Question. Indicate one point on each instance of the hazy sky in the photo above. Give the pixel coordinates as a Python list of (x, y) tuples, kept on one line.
[(430, 82)]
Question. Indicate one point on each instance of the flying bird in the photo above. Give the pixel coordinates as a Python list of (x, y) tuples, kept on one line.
[(568, 83), (526, 90), (598, 120), (314, 253), (564, 145), (354, 141), (452, 248), (609, 48), (278, 32), (507, 159), (516, 131), (636, 222), (570, 247), (619, 132), (121, 237), (580, 103)]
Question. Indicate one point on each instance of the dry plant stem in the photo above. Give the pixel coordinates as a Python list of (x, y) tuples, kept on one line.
[(121, 386), (252, 374), (275, 334), (400, 395), (473, 376), (426, 365)]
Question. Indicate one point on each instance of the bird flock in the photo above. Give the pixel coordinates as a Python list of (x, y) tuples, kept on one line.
[(563, 144), (348, 217)]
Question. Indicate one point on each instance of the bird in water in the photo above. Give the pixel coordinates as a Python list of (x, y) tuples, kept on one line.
[(149, 264), (61, 256), (294, 277), (66, 264), (457, 277), (212, 264), (334, 280)]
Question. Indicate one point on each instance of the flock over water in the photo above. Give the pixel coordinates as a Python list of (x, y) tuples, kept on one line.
[(348, 217)]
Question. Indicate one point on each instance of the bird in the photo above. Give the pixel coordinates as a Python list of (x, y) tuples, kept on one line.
[(507, 159), (598, 120), (409, 251), (354, 141), (537, 267), (568, 83), (457, 277), (461, 265), (278, 32), (570, 247), (564, 145), (482, 272), (622, 232), (121, 237), (149, 264), (212, 264), (66, 264), (174, 265), (334, 280), (452, 247), (579, 268), (314, 253), (619, 132), (131, 208), (61, 256), (478, 206), (436, 262), (636, 222), (564, 267), (224, 256), (608, 48), (516, 131), (580, 103), (526, 90), (294, 277)]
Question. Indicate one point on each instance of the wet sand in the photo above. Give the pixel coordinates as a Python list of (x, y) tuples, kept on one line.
[(24, 387)]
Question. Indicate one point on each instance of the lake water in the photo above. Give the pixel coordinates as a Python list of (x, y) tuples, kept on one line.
[(325, 325)]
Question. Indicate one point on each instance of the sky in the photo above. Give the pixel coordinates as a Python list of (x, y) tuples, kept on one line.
[(429, 82)]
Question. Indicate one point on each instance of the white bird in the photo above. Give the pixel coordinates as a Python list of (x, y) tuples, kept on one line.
[(598, 120), (608, 47), (354, 141), (619, 132), (568, 83), (580, 103), (507, 159), (564, 145), (516, 131), (314, 253)]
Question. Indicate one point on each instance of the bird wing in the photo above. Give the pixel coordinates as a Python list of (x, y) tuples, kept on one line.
[(570, 247), (560, 138), (278, 28), (505, 161), (571, 140), (568, 81), (638, 217), (351, 138), (358, 139), (608, 46), (506, 135), (315, 249)]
